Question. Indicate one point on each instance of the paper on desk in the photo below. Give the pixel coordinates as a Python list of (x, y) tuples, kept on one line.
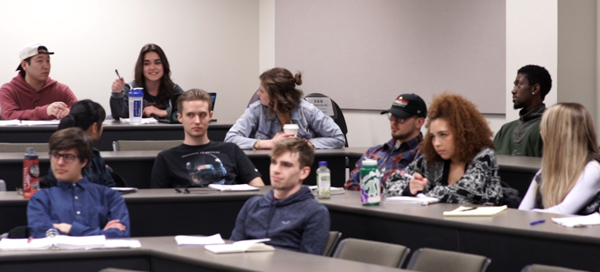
[(333, 190), (125, 189), (241, 246), (39, 122), (184, 240), (478, 211), (232, 187), (578, 221), (418, 199), (122, 243), (6, 123), (62, 241), (144, 121)]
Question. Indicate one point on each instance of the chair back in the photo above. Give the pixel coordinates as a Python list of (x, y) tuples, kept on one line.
[(121, 145), (435, 260), (332, 241), (254, 98), (372, 252), (22, 147), (547, 268), (337, 115)]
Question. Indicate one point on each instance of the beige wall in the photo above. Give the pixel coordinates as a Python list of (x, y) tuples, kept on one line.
[(210, 44)]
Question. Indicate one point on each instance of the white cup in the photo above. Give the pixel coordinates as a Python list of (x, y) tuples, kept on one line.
[(291, 128)]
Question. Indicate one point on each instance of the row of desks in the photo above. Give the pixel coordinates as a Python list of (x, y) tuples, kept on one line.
[(113, 131), (163, 254), (506, 238), (136, 166)]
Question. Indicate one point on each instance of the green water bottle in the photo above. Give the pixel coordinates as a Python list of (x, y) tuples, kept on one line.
[(370, 183)]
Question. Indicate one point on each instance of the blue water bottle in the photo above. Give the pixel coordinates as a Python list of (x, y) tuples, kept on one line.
[(136, 97)]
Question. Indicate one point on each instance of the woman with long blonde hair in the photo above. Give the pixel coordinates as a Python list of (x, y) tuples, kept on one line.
[(570, 174)]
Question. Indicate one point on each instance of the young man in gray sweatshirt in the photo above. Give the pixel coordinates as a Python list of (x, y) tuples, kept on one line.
[(289, 214)]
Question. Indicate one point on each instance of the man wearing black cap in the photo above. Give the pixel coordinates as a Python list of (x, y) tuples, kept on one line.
[(32, 94), (407, 116)]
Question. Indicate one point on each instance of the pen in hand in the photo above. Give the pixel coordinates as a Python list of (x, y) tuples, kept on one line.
[(117, 71), (404, 174)]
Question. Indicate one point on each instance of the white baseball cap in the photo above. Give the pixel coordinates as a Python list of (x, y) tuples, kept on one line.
[(31, 50)]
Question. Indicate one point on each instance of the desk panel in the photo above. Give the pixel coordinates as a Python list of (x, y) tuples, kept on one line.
[(113, 130)]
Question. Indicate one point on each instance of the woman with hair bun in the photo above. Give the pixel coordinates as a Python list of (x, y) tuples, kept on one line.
[(87, 115), (570, 169), (458, 163), (281, 103)]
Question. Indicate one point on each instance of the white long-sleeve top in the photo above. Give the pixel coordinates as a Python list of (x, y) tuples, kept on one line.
[(586, 187)]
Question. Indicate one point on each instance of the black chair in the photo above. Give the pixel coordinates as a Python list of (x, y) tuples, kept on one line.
[(254, 98), (332, 242), (547, 268), (19, 232), (372, 252), (338, 115), (435, 260)]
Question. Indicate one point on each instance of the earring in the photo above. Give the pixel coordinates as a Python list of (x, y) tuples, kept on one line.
[(532, 93)]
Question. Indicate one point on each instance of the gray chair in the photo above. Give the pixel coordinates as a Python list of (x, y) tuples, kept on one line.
[(434, 260), (121, 145), (547, 268), (21, 147), (372, 252), (254, 98), (338, 115), (332, 241)]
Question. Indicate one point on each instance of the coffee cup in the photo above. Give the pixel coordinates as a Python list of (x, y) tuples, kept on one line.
[(291, 128)]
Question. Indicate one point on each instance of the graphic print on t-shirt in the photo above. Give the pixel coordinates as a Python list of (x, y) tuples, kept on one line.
[(204, 168)]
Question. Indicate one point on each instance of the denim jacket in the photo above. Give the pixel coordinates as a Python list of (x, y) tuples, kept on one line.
[(257, 123)]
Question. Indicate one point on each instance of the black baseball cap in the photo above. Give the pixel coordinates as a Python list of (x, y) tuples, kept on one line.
[(408, 105)]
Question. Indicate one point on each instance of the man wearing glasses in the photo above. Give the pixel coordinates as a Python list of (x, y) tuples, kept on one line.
[(407, 116), (76, 207)]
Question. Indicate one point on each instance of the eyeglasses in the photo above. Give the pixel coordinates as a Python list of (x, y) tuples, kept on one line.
[(397, 119), (67, 157)]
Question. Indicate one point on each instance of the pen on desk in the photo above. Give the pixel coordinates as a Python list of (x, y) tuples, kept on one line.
[(117, 71), (30, 238), (537, 222), (468, 209)]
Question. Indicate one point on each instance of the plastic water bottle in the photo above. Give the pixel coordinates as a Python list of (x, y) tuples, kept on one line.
[(136, 97), (370, 183), (31, 173), (323, 181)]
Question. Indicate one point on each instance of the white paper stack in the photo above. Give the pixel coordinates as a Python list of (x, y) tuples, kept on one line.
[(8, 123), (61, 241), (39, 123), (232, 187), (144, 121), (418, 199), (184, 240), (332, 190), (241, 246), (578, 221)]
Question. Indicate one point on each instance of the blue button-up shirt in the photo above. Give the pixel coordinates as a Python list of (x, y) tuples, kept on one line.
[(86, 206), (390, 158)]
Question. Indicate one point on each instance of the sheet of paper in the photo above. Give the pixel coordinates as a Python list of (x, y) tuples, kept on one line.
[(332, 190), (418, 199), (122, 243), (233, 187), (39, 123), (7, 123), (184, 240), (144, 121), (475, 211), (578, 221)]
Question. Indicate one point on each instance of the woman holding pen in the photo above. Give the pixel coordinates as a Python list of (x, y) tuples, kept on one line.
[(153, 73), (458, 163)]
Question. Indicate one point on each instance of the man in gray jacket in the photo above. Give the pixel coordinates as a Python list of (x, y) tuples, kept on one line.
[(289, 214)]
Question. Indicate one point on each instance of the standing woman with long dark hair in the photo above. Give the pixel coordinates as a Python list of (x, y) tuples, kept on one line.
[(281, 103), (153, 73), (87, 115)]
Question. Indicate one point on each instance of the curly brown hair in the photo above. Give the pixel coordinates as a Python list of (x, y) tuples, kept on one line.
[(470, 129)]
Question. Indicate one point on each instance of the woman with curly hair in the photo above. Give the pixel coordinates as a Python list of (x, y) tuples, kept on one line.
[(458, 163), (570, 170), (281, 103)]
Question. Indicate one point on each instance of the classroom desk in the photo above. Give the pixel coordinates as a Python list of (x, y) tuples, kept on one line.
[(136, 166), (506, 238), (163, 254), (113, 130)]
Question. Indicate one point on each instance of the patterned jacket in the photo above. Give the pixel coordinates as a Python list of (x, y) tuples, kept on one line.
[(479, 185)]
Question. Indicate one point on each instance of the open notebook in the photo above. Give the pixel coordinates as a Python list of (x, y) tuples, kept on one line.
[(241, 246)]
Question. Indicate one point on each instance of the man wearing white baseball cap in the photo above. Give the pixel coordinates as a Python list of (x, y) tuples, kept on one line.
[(32, 94)]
